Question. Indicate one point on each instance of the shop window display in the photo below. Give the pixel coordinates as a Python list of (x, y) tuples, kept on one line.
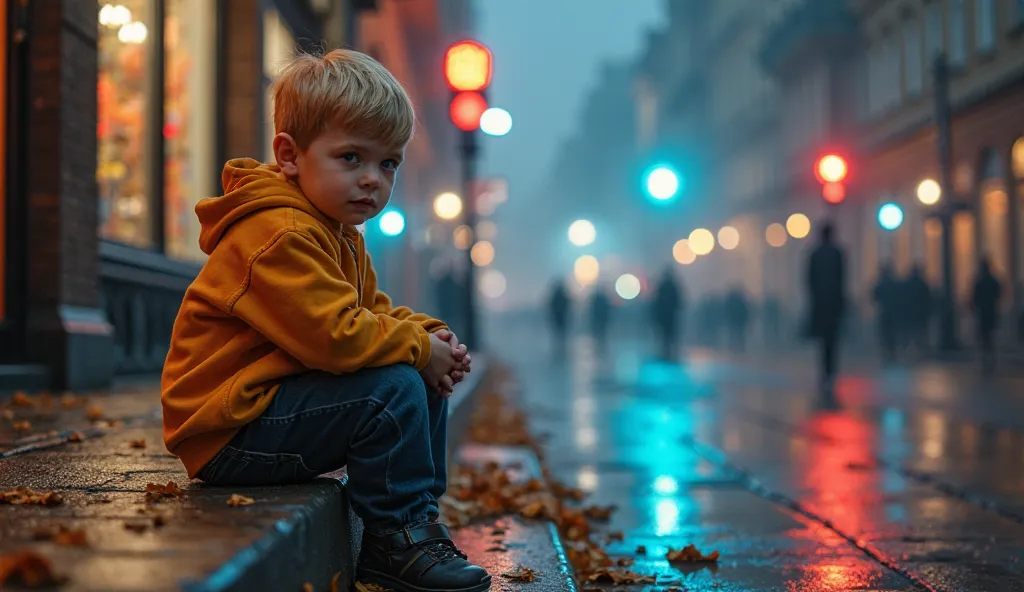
[(189, 136), (123, 93)]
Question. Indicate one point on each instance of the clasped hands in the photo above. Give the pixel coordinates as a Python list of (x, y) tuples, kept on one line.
[(449, 362)]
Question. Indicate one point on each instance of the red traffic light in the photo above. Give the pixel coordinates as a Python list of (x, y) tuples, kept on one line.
[(833, 192), (831, 169), (466, 110), (467, 66)]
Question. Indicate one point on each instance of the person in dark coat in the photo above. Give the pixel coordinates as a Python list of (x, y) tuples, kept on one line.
[(667, 308), (888, 297), (919, 310), (600, 317), (826, 286), (985, 301), (558, 315)]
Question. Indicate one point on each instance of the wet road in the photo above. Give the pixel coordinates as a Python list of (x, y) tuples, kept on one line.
[(909, 480)]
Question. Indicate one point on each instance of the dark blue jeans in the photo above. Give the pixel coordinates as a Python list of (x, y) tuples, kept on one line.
[(379, 422)]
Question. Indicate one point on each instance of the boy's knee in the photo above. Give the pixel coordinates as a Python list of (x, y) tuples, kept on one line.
[(404, 380)]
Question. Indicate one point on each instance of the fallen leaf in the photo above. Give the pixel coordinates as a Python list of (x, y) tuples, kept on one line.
[(62, 535), (136, 526), (94, 413), (520, 574), (240, 500), (137, 444), (641, 550), (22, 426), (335, 587), (23, 496), (22, 400), (156, 493), (76, 437), (690, 554), (598, 512), (70, 401), (28, 569), (307, 587), (619, 577), (367, 587)]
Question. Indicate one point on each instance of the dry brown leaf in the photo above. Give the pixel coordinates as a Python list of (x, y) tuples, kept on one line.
[(335, 582), (22, 400), (28, 569), (22, 426), (70, 401), (619, 577), (690, 554), (94, 413), (62, 535), (23, 496), (136, 526), (137, 443), (368, 587), (307, 587), (240, 500), (76, 437), (521, 574), (598, 512), (156, 492)]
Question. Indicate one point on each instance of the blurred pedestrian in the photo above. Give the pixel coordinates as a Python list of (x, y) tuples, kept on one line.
[(826, 286)]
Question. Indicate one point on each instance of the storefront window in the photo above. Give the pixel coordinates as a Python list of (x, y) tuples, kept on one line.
[(189, 128), (124, 102)]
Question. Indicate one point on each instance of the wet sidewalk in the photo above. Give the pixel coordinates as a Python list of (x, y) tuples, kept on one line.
[(908, 480)]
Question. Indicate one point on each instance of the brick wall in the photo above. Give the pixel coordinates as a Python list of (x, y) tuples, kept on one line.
[(62, 192)]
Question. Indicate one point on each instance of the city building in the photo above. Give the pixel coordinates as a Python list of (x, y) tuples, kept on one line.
[(117, 118)]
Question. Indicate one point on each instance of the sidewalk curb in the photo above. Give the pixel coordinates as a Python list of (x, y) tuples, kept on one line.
[(322, 537)]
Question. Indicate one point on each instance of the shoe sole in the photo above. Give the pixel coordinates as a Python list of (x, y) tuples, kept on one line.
[(390, 583)]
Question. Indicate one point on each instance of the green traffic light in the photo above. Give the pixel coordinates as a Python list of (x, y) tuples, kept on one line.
[(662, 183)]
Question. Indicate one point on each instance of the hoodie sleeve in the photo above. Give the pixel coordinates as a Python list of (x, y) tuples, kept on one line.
[(297, 296), (382, 305)]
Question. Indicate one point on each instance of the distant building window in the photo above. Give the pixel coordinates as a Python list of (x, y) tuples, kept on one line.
[(957, 34), (912, 57), (985, 18)]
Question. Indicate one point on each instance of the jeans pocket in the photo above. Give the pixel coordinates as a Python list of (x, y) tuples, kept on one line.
[(246, 468)]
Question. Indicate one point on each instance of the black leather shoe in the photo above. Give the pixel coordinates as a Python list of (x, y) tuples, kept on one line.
[(420, 559)]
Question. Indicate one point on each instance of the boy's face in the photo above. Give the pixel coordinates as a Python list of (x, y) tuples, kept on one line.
[(347, 177)]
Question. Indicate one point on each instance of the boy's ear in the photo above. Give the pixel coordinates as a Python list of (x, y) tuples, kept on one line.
[(286, 151)]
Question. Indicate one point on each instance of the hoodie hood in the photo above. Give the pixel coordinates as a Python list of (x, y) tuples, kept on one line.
[(249, 186)]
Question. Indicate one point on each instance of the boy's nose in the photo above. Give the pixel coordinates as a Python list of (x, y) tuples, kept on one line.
[(369, 181)]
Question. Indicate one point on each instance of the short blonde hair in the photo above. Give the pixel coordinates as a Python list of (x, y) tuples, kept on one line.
[(345, 88)]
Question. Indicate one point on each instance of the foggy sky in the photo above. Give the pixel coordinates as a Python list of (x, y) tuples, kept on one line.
[(547, 55)]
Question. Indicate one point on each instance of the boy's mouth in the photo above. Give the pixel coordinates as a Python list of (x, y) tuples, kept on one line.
[(366, 202)]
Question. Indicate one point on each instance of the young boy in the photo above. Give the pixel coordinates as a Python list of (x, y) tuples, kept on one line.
[(286, 362)]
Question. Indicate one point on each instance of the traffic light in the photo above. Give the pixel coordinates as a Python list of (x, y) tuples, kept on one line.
[(831, 171), (467, 70)]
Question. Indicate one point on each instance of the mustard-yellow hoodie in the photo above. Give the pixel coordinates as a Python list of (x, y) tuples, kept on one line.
[(284, 290)]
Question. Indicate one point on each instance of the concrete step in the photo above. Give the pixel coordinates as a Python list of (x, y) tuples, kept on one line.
[(291, 536)]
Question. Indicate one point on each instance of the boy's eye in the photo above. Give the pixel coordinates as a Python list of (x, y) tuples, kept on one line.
[(390, 164), (350, 157)]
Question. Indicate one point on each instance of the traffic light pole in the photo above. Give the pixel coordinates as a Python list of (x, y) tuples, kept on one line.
[(468, 151), (943, 122)]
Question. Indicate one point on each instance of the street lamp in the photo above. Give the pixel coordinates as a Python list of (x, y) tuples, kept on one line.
[(728, 237), (582, 233), (929, 192), (702, 241), (392, 223), (448, 206)]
